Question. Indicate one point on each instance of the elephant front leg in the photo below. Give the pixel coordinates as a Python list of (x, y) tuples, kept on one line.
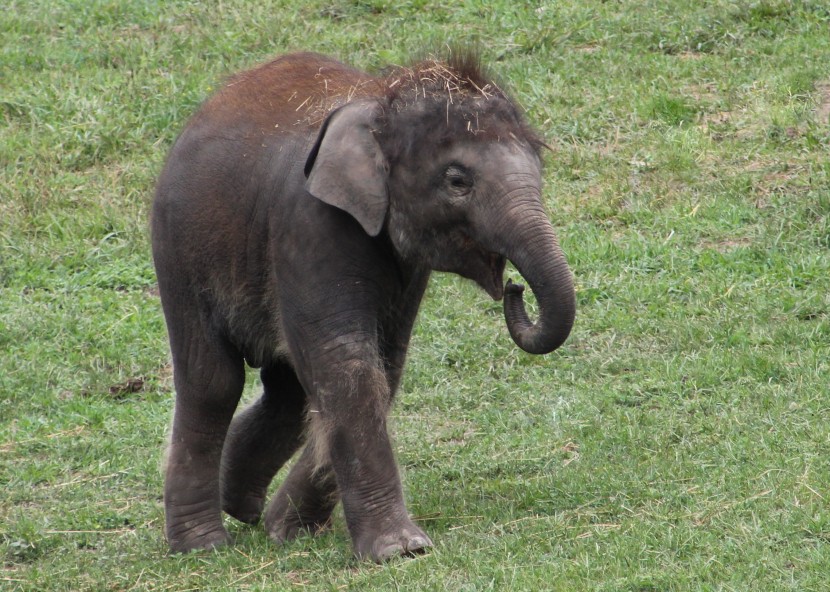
[(351, 428)]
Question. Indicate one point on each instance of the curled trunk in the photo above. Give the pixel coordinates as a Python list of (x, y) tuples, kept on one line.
[(542, 264)]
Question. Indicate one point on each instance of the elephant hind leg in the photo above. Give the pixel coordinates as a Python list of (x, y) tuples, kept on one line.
[(304, 501), (261, 439), (209, 377)]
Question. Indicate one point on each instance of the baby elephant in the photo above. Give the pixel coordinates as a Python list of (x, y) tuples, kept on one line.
[(295, 226)]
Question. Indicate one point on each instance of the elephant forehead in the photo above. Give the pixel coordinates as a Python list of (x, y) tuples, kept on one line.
[(497, 157), (444, 120)]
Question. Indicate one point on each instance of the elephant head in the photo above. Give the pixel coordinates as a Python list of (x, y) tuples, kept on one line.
[(444, 164)]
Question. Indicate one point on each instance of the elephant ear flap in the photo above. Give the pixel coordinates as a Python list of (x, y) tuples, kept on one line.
[(346, 167)]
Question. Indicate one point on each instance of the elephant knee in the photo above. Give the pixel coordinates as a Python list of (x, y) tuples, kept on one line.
[(356, 400)]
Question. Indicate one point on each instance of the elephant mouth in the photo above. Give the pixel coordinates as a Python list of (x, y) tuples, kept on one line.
[(494, 286), (487, 269), (476, 263), (488, 272)]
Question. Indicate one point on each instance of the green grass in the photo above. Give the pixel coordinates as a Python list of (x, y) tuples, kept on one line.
[(680, 440)]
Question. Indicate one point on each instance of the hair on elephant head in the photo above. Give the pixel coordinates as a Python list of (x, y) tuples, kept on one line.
[(295, 226)]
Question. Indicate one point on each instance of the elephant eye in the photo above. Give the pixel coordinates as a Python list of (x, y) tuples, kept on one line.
[(458, 179)]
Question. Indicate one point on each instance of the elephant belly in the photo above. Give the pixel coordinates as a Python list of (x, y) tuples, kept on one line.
[(254, 328)]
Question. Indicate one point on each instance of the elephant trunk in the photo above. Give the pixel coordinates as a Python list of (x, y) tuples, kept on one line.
[(532, 247)]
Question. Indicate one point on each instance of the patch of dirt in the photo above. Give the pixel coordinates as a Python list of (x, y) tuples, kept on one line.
[(703, 92), (717, 118), (791, 178), (165, 376), (715, 124), (726, 245), (690, 55), (130, 386)]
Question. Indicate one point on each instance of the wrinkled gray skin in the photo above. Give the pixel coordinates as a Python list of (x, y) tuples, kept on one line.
[(295, 227)]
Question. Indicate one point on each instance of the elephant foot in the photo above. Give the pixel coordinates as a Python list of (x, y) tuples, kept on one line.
[(247, 509), (199, 538), (286, 520), (283, 531), (407, 540), (242, 495)]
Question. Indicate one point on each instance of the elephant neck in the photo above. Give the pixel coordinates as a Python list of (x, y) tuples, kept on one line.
[(410, 272)]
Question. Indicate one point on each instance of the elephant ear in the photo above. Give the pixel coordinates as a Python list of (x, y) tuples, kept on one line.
[(346, 167)]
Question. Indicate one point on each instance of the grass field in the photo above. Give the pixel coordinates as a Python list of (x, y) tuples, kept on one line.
[(680, 440)]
